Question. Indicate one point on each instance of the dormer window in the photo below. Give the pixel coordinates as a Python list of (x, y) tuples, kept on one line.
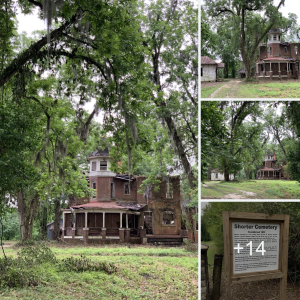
[(279, 38), (103, 165), (270, 37), (94, 165), (274, 37)]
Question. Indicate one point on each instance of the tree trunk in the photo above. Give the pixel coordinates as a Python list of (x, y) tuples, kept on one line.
[(58, 213), (27, 211)]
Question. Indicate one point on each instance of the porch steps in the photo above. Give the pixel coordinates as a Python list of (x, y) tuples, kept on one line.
[(172, 241)]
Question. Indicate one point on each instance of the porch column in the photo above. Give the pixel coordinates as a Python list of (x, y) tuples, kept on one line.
[(127, 230), (279, 72), (268, 174), (121, 214), (257, 74), (121, 230), (74, 224), (63, 226), (103, 230), (85, 223), (264, 69), (271, 72)]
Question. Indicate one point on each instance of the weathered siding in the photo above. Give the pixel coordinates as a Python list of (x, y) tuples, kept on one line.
[(209, 72), (221, 176)]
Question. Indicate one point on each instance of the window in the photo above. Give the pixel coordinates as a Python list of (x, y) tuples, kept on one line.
[(274, 38), (216, 175), (279, 38), (270, 51), (112, 190), (169, 193), (103, 165), (168, 218), (94, 187), (270, 37), (296, 49), (201, 71), (285, 49), (126, 189), (94, 165)]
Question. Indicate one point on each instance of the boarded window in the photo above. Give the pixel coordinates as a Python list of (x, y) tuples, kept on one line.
[(94, 186), (103, 165), (94, 165), (169, 193), (126, 189), (168, 218)]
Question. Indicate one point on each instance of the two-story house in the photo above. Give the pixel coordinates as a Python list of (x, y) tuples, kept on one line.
[(278, 59), (271, 169), (121, 210)]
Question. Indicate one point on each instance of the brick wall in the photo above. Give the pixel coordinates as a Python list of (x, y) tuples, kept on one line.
[(204, 273)]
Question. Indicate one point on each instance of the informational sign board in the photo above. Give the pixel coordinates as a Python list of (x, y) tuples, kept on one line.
[(255, 248)]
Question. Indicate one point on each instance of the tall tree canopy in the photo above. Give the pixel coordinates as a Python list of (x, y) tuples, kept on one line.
[(135, 62)]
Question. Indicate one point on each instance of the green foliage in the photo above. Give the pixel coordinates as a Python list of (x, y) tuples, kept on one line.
[(190, 247), (82, 264), (11, 227), (205, 236)]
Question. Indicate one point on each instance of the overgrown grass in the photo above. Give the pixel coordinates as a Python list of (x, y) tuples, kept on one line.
[(277, 89), (207, 91), (263, 189), (142, 272)]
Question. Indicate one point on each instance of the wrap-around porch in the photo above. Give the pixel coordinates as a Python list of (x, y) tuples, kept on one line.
[(279, 69), (269, 174), (119, 225)]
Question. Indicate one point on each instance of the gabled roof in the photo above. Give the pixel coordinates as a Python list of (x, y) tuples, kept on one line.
[(205, 60), (99, 152)]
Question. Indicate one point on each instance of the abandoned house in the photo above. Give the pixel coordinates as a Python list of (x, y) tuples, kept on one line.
[(120, 212), (209, 69), (216, 174), (271, 169), (278, 59)]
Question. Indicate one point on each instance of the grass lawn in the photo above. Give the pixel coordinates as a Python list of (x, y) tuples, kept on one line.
[(260, 89), (143, 272), (277, 89), (208, 90), (251, 189)]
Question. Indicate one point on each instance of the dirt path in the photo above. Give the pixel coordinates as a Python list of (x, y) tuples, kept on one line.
[(231, 86)]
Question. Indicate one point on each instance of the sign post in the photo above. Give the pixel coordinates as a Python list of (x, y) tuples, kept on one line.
[(255, 248)]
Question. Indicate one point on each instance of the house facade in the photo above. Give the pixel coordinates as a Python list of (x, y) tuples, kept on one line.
[(278, 59), (216, 174), (271, 168), (209, 69), (120, 210)]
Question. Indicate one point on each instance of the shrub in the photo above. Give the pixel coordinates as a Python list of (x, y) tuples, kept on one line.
[(85, 264), (190, 247)]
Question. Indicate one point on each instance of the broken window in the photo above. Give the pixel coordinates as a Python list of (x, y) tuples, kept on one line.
[(270, 51), (201, 71), (296, 49), (126, 189), (103, 165), (169, 194), (94, 165), (274, 37), (168, 218), (279, 38), (94, 187), (285, 49)]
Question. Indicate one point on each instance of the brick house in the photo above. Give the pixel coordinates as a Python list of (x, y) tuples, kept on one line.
[(271, 169), (278, 59), (209, 69), (118, 211)]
